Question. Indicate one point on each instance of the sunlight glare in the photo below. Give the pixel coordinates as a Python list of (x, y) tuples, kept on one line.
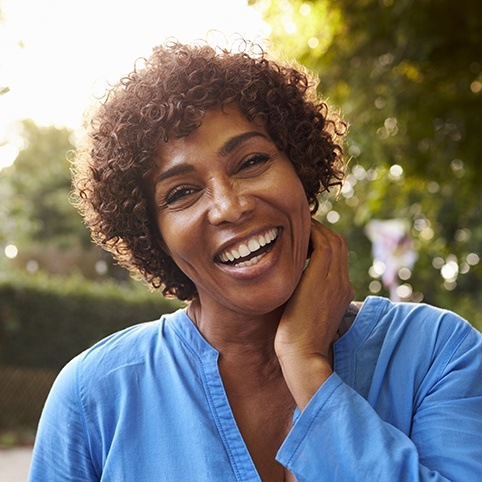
[(58, 53)]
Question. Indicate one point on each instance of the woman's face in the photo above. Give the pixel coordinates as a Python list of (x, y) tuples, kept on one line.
[(233, 214)]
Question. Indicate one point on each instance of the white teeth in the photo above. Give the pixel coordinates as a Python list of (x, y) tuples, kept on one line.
[(250, 262), (251, 246), (243, 250)]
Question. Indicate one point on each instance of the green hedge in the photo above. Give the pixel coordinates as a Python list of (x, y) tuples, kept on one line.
[(45, 321)]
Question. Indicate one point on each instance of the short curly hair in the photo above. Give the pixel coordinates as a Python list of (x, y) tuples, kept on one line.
[(166, 97)]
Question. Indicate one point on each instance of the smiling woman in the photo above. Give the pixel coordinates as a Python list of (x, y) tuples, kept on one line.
[(167, 99), (201, 174), (228, 192)]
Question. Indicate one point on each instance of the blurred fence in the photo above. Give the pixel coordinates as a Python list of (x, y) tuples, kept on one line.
[(23, 392)]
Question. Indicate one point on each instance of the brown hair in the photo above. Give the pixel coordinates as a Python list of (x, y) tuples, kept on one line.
[(166, 98)]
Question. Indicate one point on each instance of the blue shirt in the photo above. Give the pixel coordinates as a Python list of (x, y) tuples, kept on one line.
[(148, 404)]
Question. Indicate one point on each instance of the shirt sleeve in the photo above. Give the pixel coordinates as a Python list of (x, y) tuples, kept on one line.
[(61, 452), (339, 436)]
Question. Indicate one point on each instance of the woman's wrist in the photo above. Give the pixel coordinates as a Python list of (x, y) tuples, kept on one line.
[(304, 375)]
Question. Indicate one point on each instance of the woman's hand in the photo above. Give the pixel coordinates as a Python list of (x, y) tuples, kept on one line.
[(313, 315)]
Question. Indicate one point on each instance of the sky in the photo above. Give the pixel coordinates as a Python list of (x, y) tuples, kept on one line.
[(56, 56)]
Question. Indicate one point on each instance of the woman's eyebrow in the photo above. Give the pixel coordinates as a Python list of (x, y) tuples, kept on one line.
[(174, 171), (227, 148), (236, 141)]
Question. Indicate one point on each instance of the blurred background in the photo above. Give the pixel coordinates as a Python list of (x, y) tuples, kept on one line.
[(406, 74)]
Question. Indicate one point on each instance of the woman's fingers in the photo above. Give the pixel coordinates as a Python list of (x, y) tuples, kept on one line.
[(313, 315), (329, 258), (316, 308)]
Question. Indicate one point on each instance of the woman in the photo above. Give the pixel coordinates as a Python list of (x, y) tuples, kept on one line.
[(202, 175)]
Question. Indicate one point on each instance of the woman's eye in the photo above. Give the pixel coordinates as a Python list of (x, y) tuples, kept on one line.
[(178, 193), (254, 161)]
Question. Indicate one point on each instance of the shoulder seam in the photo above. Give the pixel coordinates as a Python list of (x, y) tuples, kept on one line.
[(82, 415)]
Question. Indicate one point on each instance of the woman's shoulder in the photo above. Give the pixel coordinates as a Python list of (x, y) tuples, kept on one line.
[(411, 344), (131, 346), (384, 310), (381, 321), (415, 326)]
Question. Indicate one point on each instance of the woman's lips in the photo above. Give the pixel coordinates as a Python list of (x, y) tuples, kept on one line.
[(249, 251)]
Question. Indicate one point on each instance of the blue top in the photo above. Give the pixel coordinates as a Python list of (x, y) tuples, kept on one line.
[(148, 404)]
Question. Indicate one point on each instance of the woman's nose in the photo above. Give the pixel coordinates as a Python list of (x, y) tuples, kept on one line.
[(229, 203)]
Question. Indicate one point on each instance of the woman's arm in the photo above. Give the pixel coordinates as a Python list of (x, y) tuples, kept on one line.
[(61, 452), (339, 435), (313, 315)]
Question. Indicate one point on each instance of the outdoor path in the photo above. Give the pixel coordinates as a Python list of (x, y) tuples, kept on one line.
[(14, 464)]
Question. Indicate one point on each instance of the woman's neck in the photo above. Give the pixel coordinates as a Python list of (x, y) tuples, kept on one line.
[(238, 337)]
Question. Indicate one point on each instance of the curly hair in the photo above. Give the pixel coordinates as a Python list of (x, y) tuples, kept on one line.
[(166, 97)]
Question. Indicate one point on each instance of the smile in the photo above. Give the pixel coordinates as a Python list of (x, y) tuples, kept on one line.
[(250, 251)]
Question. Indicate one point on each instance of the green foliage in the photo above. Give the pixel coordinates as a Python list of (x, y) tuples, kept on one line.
[(408, 78), (45, 321), (37, 189), (36, 215)]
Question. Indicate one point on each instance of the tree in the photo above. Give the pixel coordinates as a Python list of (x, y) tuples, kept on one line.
[(38, 183), (408, 77), (36, 215)]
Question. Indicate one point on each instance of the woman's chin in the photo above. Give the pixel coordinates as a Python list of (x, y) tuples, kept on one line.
[(261, 302)]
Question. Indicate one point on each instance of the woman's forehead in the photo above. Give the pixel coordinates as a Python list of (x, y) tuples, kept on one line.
[(221, 130)]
